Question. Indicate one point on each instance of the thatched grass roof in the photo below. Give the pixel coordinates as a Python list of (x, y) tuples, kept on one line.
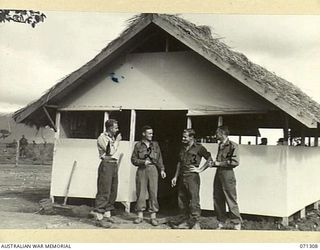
[(207, 44)]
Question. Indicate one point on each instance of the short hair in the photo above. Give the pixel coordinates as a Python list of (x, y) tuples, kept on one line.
[(110, 123), (145, 128), (224, 129), (190, 132)]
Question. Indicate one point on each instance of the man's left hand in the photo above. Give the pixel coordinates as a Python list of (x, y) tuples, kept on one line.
[(217, 164), (194, 169), (163, 174)]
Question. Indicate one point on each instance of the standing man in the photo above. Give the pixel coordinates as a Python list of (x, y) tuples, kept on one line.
[(23, 142), (107, 183), (147, 157), (188, 170), (224, 188)]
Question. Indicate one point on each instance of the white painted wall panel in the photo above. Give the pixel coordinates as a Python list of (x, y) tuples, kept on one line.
[(175, 80), (261, 180), (84, 181), (303, 177), (271, 180)]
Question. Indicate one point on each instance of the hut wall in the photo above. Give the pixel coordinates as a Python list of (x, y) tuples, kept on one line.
[(303, 177), (84, 180), (175, 80), (271, 180)]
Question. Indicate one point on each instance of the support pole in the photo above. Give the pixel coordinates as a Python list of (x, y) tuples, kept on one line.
[(303, 137), (189, 122), (316, 137), (303, 213), (49, 118), (286, 130), (285, 221), (220, 121), (57, 124), (132, 126), (133, 118), (105, 118), (17, 153), (56, 138)]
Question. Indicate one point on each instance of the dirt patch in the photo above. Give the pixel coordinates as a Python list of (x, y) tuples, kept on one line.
[(23, 187)]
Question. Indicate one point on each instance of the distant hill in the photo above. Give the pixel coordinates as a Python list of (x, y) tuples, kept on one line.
[(10, 130)]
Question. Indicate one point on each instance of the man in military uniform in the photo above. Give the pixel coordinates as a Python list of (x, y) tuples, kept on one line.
[(107, 182), (187, 172), (148, 158), (224, 189)]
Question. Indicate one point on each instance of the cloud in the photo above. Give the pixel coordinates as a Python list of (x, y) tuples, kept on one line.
[(33, 60), (6, 107)]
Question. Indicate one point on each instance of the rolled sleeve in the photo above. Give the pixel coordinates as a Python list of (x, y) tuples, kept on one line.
[(203, 152)]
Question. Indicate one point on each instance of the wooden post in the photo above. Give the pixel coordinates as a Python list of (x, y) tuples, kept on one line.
[(303, 137), (132, 126), (105, 118), (309, 141), (286, 130), (131, 139), (316, 137), (49, 118), (285, 221), (58, 121), (256, 140), (56, 138), (220, 121), (189, 122), (239, 139), (17, 153), (303, 213)]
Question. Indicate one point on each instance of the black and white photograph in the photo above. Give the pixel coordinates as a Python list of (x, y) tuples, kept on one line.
[(159, 121)]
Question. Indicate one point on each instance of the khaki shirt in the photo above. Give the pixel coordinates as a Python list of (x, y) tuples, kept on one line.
[(228, 154), (192, 156), (141, 153), (107, 147)]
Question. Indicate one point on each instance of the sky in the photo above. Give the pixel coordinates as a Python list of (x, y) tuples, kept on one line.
[(34, 59)]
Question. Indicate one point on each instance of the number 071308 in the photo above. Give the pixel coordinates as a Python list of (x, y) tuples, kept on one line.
[(308, 245)]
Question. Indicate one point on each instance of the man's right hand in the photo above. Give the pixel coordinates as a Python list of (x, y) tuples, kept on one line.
[(174, 182), (147, 162)]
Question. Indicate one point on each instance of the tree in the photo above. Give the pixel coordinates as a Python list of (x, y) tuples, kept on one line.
[(22, 16)]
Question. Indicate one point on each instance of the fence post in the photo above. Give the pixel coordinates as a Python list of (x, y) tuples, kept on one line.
[(17, 153)]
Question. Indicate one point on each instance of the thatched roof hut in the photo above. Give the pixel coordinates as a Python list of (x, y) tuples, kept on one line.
[(169, 73)]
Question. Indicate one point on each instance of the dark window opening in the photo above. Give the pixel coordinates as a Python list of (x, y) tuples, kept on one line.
[(205, 127), (81, 124), (123, 118)]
